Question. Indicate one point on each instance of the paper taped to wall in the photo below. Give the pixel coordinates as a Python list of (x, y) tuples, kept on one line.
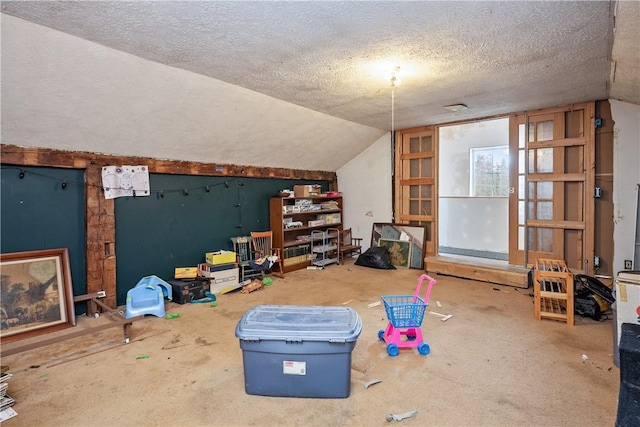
[(120, 181)]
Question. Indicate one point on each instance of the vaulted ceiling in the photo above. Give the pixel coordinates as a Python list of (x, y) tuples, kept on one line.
[(331, 57)]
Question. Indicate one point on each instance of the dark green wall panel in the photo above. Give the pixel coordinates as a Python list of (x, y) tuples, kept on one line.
[(155, 234), (37, 213)]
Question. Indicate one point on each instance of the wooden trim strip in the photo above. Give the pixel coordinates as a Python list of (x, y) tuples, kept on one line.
[(566, 142), (423, 218), (422, 155), (565, 225), (417, 181), (557, 177)]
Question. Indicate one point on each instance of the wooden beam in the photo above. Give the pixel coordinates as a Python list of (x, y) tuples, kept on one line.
[(29, 156), (100, 235), (474, 270)]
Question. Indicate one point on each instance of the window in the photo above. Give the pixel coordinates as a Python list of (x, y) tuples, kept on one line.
[(489, 172)]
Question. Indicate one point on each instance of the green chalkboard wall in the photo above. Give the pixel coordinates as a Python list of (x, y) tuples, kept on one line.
[(174, 228), (37, 213)]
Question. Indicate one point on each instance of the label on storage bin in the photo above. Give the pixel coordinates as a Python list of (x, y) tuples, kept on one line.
[(294, 368)]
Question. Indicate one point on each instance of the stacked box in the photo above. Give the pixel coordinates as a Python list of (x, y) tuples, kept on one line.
[(221, 268), (333, 218), (208, 270), (627, 299), (221, 280), (185, 273), (306, 190), (220, 257)]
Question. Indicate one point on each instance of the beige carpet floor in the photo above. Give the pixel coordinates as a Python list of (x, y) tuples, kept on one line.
[(491, 364)]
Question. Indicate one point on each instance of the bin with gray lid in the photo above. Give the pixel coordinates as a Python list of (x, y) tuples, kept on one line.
[(298, 351)]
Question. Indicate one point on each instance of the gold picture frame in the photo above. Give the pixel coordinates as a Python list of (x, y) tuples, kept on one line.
[(36, 292)]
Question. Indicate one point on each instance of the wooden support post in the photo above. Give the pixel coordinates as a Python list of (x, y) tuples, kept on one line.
[(101, 237)]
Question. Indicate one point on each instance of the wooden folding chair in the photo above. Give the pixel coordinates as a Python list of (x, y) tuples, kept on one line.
[(262, 247)]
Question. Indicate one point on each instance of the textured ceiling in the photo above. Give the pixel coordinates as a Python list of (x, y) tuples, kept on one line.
[(495, 57)]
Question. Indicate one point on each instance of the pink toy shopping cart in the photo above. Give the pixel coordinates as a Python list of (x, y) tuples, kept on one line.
[(405, 314)]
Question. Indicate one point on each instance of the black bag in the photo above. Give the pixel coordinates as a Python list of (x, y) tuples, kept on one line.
[(376, 257)]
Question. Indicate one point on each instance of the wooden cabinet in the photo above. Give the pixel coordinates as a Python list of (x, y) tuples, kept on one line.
[(293, 222)]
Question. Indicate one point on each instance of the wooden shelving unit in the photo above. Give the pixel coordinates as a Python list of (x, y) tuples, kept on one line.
[(293, 221)]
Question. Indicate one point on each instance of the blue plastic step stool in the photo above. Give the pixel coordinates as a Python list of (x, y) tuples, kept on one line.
[(147, 297)]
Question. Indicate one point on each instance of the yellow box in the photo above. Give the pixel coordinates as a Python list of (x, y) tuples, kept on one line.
[(220, 257), (306, 190), (185, 272)]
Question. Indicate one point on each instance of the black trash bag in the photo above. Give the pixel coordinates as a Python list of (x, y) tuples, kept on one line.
[(376, 257)]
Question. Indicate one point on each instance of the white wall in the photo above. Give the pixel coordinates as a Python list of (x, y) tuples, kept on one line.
[(474, 223), (365, 183), (626, 177)]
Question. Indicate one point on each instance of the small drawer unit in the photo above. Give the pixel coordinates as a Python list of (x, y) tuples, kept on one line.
[(298, 351)]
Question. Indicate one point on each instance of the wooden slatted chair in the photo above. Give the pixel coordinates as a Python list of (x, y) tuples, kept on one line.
[(348, 246), (244, 253), (262, 242)]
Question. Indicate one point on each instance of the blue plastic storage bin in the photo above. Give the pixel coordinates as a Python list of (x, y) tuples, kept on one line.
[(298, 351)]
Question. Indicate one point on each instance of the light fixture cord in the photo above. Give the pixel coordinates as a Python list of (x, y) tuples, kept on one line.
[(393, 114)]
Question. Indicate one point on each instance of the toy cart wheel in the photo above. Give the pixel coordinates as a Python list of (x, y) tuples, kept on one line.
[(381, 334), (393, 350), (424, 349), (96, 315)]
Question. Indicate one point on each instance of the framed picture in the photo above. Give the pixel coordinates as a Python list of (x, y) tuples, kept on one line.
[(400, 251), (37, 293), (416, 235)]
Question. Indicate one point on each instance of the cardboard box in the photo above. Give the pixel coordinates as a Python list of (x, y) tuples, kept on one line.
[(209, 270), (627, 300), (333, 218), (224, 279), (220, 257), (185, 273), (306, 190), (316, 222)]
